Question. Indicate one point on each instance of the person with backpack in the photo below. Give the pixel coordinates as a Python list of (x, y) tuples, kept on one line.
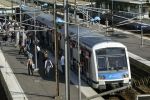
[(47, 67)]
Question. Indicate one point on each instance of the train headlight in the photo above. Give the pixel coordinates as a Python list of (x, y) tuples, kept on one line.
[(125, 75)]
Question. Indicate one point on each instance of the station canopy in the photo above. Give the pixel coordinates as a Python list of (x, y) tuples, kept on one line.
[(7, 5), (71, 2)]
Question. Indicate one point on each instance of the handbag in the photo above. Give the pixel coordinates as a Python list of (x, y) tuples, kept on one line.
[(33, 66)]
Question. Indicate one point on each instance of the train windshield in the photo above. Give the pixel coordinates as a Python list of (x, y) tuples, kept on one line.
[(111, 59)]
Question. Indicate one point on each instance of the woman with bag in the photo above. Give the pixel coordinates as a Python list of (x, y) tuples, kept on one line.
[(30, 66), (48, 66)]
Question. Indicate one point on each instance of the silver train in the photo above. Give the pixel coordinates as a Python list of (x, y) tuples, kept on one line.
[(103, 62)]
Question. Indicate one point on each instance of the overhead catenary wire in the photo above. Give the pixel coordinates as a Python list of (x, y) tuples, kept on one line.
[(114, 15)]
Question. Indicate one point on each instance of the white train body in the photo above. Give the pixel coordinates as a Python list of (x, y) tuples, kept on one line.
[(103, 61), (117, 67), (107, 62)]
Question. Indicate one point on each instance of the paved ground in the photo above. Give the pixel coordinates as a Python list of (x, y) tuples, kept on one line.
[(133, 44), (36, 87)]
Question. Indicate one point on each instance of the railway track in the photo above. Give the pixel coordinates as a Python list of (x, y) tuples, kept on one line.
[(140, 80), (140, 85)]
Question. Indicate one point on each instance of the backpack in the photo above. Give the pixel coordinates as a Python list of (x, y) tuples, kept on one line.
[(49, 65)]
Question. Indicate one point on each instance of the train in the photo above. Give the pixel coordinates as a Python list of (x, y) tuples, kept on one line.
[(103, 62), (125, 20)]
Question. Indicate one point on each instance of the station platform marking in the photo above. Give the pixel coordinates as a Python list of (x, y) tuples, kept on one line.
[(139, 59), (11, 85)]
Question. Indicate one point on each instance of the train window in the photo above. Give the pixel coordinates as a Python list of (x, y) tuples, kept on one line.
[(117, 62), (111, 58), (101, 52), (110, 51), (101, 63)]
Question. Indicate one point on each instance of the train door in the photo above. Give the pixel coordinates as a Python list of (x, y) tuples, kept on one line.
[(85, 63)]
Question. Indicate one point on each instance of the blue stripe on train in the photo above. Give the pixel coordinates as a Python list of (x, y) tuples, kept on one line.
[(113, 75)]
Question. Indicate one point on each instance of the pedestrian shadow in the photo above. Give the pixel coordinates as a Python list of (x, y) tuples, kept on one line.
[(51, 76), (22, 60), (21, 73)]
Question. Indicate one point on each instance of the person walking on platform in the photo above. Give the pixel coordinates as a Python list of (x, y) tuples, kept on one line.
[(62, 62), (38, 51), (48, 66), (29, 55), (30, 66), (45, 55), (21, 46), (28, 43)]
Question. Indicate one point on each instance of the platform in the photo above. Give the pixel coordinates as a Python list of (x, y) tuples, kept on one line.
[(35, 87), (138, 51)]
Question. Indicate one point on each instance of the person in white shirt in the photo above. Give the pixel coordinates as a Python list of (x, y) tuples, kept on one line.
[(47, 67), (38, 51), (62, 62)]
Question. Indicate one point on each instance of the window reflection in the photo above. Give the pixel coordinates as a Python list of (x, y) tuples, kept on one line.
[(111, 59)]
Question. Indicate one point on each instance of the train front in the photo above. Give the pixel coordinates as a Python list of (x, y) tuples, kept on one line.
[(112, 65)]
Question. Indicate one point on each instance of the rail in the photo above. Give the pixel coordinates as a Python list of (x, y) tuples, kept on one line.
[(108, 92)]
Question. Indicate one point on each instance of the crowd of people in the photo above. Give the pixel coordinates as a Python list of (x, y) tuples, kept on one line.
[(7, 28), (27, 47)]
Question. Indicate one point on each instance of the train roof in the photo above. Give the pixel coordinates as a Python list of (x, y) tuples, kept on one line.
[(71, 2), (87, 36), (40, 16), (133, 1), (47, 19), (30, 9)]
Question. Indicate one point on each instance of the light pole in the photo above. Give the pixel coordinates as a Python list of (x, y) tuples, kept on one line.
[(12, 8), (75, 11), (67, 68), (35, 44), (79, 76), (78, 58), (79, 69), (141, 28), (141, 36), (56, 52), (20, 18), (112, 17)]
